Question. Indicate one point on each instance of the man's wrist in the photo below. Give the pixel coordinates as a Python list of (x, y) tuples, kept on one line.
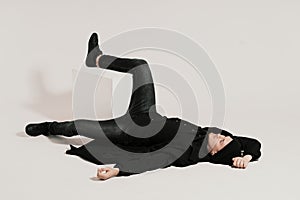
[(248, 157)]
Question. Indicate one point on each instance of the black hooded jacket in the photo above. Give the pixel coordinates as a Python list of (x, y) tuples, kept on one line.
[(191, 154)]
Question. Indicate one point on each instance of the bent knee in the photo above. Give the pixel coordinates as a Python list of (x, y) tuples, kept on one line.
[(140, 62)]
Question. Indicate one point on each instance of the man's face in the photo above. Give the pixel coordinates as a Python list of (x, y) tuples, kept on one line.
[(216, 142)]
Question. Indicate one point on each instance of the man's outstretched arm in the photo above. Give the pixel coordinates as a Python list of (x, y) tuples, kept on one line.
[(135, 166), (252, 152), (104, 173)]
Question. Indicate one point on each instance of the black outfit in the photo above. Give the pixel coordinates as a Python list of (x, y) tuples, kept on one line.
[(142, 111)]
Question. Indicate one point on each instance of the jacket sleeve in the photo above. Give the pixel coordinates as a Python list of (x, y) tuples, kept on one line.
[(143, 164), (123, 173), (251, 147), (146, 162)]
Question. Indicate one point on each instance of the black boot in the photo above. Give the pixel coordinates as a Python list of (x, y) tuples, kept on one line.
[(38, 129), (93, 51)]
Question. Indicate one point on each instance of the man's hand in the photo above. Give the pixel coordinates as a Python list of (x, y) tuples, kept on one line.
[(107, 172), (241, 162)]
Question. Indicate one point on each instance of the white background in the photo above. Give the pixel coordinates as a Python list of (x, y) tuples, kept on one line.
[(254, 44)]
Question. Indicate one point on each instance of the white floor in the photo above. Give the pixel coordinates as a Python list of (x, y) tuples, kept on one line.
[(255, 46)]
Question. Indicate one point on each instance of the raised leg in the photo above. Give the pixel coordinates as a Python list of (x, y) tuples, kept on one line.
[(143, 91)]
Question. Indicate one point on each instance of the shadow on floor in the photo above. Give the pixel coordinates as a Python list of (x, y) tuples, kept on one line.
[(56, 106), (22, 134)]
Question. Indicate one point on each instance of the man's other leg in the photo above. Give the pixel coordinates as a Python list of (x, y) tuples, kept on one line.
[(143, 91)]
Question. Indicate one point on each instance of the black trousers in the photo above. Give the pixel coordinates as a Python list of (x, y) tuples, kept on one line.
[(141, 107)]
